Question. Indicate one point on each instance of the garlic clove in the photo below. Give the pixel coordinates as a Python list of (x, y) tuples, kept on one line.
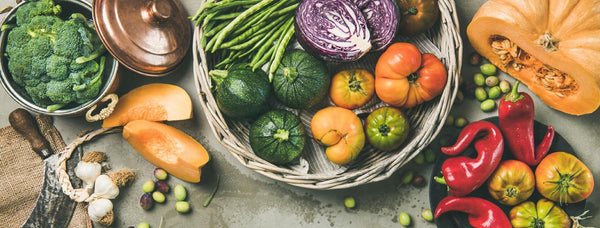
[(99, 208), (105, 188), (88, 172)]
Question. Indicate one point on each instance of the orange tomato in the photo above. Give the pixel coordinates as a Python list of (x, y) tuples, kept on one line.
[(341, 131), (563, 178), (352, 88), (405, 78)]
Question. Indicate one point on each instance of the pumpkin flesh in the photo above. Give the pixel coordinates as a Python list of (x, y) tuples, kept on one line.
[(551, 46)]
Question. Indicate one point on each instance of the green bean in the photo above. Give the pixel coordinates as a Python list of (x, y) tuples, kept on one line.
[(221, 36), (280, 50), (286, 10), (203, 42), (208, 19), (240, 38), (227, 16), (269, 43), (264, 58), (215, 30), (247, 43), (257, 30), (251, 20)]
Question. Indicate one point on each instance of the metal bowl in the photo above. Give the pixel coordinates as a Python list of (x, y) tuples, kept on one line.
[(111, 68)]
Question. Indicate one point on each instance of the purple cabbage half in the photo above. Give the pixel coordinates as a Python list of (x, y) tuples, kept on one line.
[(345, 30), (382, 21), (333, 30)]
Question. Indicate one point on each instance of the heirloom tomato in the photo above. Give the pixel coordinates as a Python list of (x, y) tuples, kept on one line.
[(387, 128), (511, 183), (417, 15), (543, 214), (352, 88), (563, 178), (405, 78)]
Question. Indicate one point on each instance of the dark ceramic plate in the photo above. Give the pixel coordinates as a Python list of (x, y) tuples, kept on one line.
[(457, 219)]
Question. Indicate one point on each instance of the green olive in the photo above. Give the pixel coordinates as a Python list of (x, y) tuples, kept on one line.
[(479, 79), (180, 192), (460, 97), (404, 219), (488, 69), (488, 105), (494, 92), (143, 225), (148, 186), (349, 202), (449, 120), (182, 206), (480, 94), (505, 86), (461, 122), (407, 177), (158, 197), (491, 81), (430, 155), (419, 159), (427, 215)]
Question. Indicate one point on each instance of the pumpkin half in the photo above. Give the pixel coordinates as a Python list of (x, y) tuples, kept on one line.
[(552, 46)]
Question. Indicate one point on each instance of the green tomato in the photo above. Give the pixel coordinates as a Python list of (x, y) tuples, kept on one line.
[(544, 213), (387, 128)]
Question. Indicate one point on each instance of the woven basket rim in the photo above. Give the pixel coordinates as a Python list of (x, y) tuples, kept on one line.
[(450, 44)]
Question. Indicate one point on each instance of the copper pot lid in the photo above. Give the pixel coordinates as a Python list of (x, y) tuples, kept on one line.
[(150, 37)]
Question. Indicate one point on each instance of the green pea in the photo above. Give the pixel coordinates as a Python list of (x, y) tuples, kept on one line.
[(148, 186), (505, 86), (420, 159), (461, 122), (427, 215), (480, 94), (488, 105), (479, 79), (158, 197), (407, 177), (404, 219), (430, 155), (143, 225), (494, 92), (488, 69), (491, 81), (349, 202), (182, 206), (180, 192)]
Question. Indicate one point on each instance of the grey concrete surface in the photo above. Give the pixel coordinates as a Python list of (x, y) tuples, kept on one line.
[(248, 199)]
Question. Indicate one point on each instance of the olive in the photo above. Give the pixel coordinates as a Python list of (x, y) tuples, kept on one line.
[(349, 202), (146, 201), (160, 174), (162, 186), (404, 219), (407, 177), (427, 215), (460, 122), (419, 159), (494, 92), (480, 94), (148, 186), (182, 206), (491, 81), (475, 59), (488, 69), (479, 79), (180, 192), (488, 105), (505, 86), (158, 197)]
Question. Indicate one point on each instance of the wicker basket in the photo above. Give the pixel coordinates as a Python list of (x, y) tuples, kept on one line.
[(314, 171)]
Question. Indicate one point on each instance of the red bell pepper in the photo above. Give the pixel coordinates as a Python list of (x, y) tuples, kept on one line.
[(463, 174), (515, 116), (481, 213)]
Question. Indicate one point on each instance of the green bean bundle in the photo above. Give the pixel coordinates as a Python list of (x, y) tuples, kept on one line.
[(254, 31)]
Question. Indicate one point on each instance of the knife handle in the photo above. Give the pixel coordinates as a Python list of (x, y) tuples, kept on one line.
[(23, 122)]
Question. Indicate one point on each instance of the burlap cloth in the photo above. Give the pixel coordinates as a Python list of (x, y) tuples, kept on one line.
[(21, 175)]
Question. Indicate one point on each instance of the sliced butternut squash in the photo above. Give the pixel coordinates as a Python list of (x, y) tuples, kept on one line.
[(154, 102), (168, 148), (551, 46)]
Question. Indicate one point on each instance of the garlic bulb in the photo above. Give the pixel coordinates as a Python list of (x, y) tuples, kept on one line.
[(99, 208), (104, 188), (88, 172)]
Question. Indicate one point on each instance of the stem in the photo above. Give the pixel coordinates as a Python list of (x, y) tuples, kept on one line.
[(212, 194), (282, 135), (218, 75), (412, 10), (538, 223), (355, 84), (290, 74), (514, 94), (384, 129), (412, 78), (512, 191), (440, 180)]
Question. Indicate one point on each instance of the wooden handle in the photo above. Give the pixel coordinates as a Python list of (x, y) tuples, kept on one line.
[(24, 123)]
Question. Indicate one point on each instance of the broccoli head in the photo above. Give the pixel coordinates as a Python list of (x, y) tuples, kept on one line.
[(28, 11), (54, 60)]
